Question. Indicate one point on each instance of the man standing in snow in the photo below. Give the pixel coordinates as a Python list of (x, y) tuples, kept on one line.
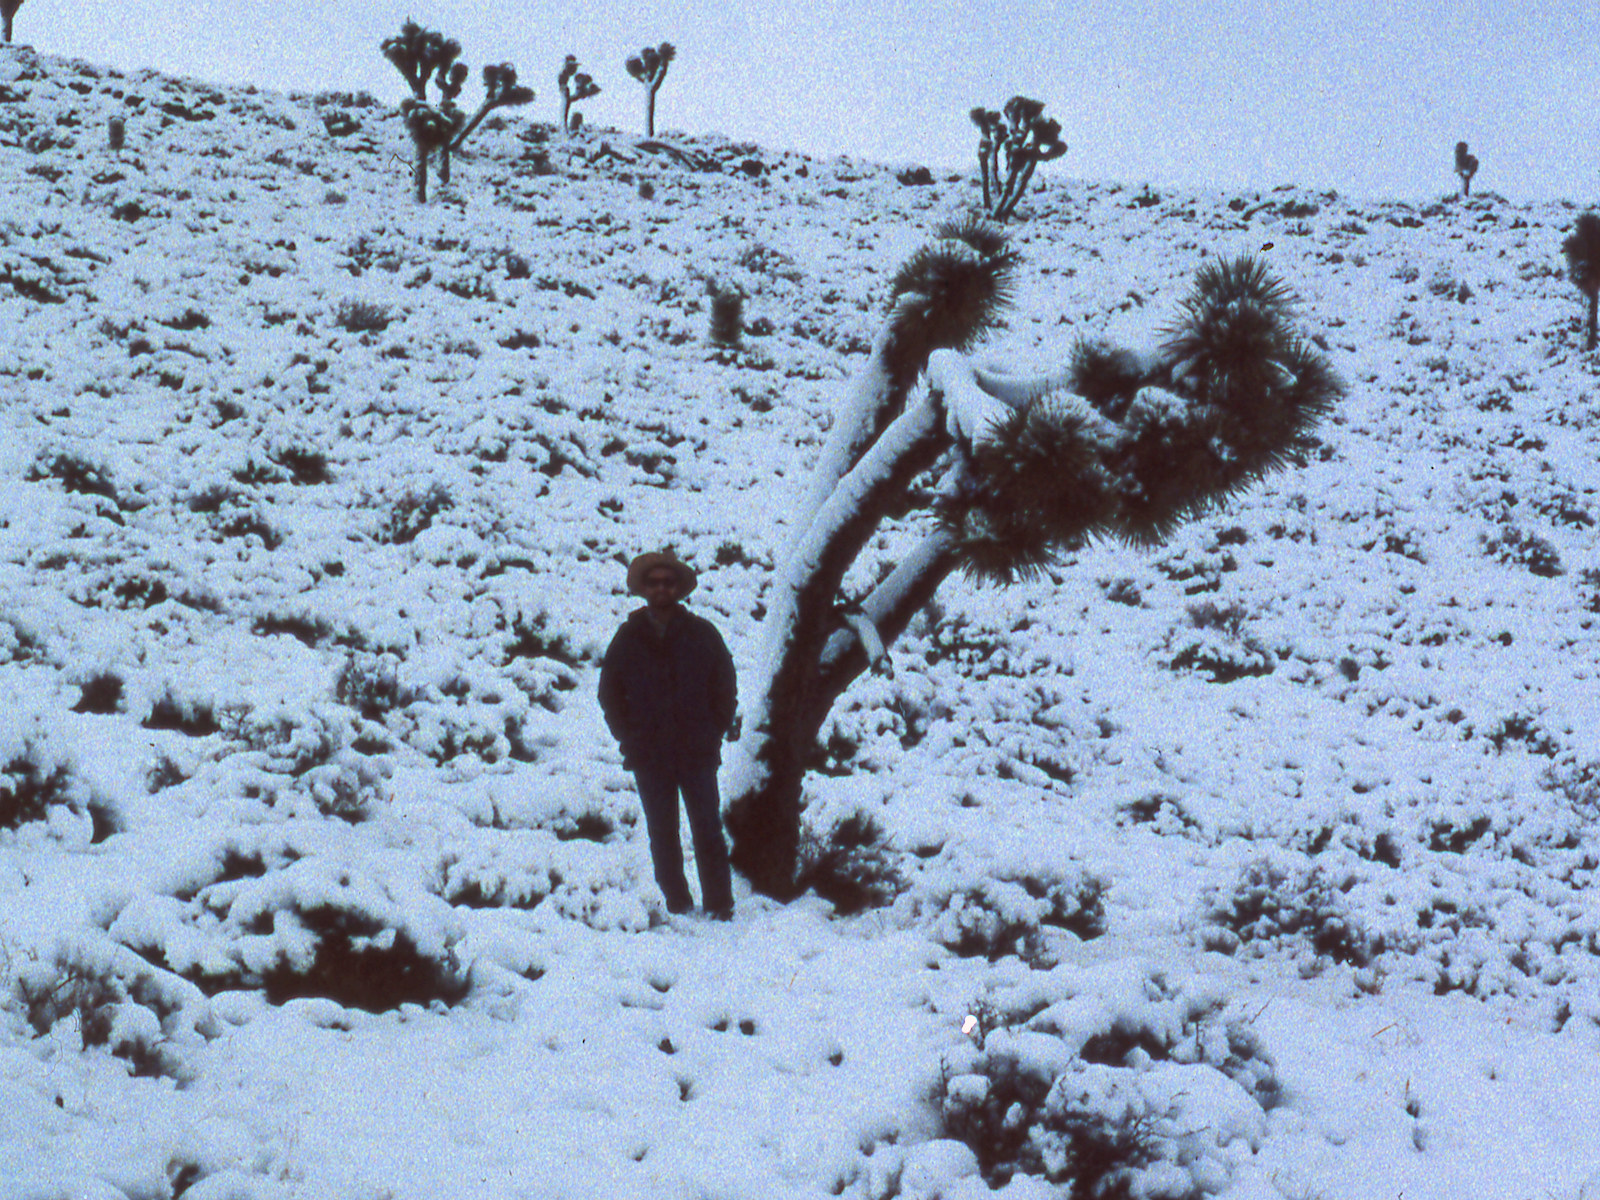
[(668, 693)]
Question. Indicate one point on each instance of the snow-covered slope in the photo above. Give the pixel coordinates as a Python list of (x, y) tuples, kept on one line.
[(1257, 864)]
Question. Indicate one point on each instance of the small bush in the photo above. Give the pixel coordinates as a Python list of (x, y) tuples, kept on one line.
[(1269, 904), (976, 914), (319, 753), (1512, 546), (362, 316), (30, 787), (76, 474), (100, 693), (370, 684), (850, 865), (115, 1001), (305, 466), (1107, 1083), (196, 718), (414, 512), (301, 929)]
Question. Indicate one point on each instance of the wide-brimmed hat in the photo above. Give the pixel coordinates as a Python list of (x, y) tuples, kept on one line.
[(640, 567)]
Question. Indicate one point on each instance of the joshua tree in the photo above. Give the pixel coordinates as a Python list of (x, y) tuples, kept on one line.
[(650, 68), (1582, 249), (8, 10), (575, 86), (1021, 136), (1113, 443), (1466, 167), (422, 57)]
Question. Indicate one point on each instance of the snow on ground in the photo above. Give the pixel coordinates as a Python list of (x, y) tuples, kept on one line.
[(1258, 864)]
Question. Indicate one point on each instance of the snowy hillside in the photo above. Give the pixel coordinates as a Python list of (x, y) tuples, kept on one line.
[(1259, 864)]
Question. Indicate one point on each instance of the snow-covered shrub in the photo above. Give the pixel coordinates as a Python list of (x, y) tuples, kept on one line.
[(1109, 1082), (311, 927), (1272, 904), (76, 474), (115, 1000), (850, 864), (413, 512), (320, 752), (101, 693), (993, 909), (1512, 545), (187, 715), (36, 784), (1218, 645), (370, 683), (362, 316)]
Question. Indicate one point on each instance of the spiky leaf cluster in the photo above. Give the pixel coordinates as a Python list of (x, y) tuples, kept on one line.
[(650, 65), (948, 293), (501, 89), (1232, 396), (430, 128), (1582, 248), (423, 55)]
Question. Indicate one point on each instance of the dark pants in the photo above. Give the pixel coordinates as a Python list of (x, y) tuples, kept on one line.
[(658, 793)]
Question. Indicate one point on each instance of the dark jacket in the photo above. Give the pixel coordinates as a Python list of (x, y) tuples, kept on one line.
[(668, 697)]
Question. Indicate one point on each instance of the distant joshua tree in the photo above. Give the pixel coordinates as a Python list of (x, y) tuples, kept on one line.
[(422, 57), (8, 10), (650, 68), (1582, 249), (1114, 443), (575, 86), (1466, 167), (1019, 136)]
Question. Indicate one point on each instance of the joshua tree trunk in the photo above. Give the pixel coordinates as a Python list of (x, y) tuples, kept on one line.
[(420, 174), (1589, 340), (7, 19), (650, 110)]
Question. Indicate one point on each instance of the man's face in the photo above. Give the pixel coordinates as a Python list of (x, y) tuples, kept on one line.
[(661, 589)]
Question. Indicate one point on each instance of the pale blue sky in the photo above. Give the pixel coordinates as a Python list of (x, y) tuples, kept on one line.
[(1366, 96)]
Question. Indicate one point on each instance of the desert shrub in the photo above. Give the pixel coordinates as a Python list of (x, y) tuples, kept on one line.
[(305, 466), (76, 474), (528, 634), (321, 753), (100, 693), (304, 928), (370, 684), (993, 910), (1271, 905), (18, 643), (246, 523), (850, 865), (115, 1001), (1515, 547), (31, 785), (1108, 1083), (414, 512), (1218, 645), (196, 718)]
